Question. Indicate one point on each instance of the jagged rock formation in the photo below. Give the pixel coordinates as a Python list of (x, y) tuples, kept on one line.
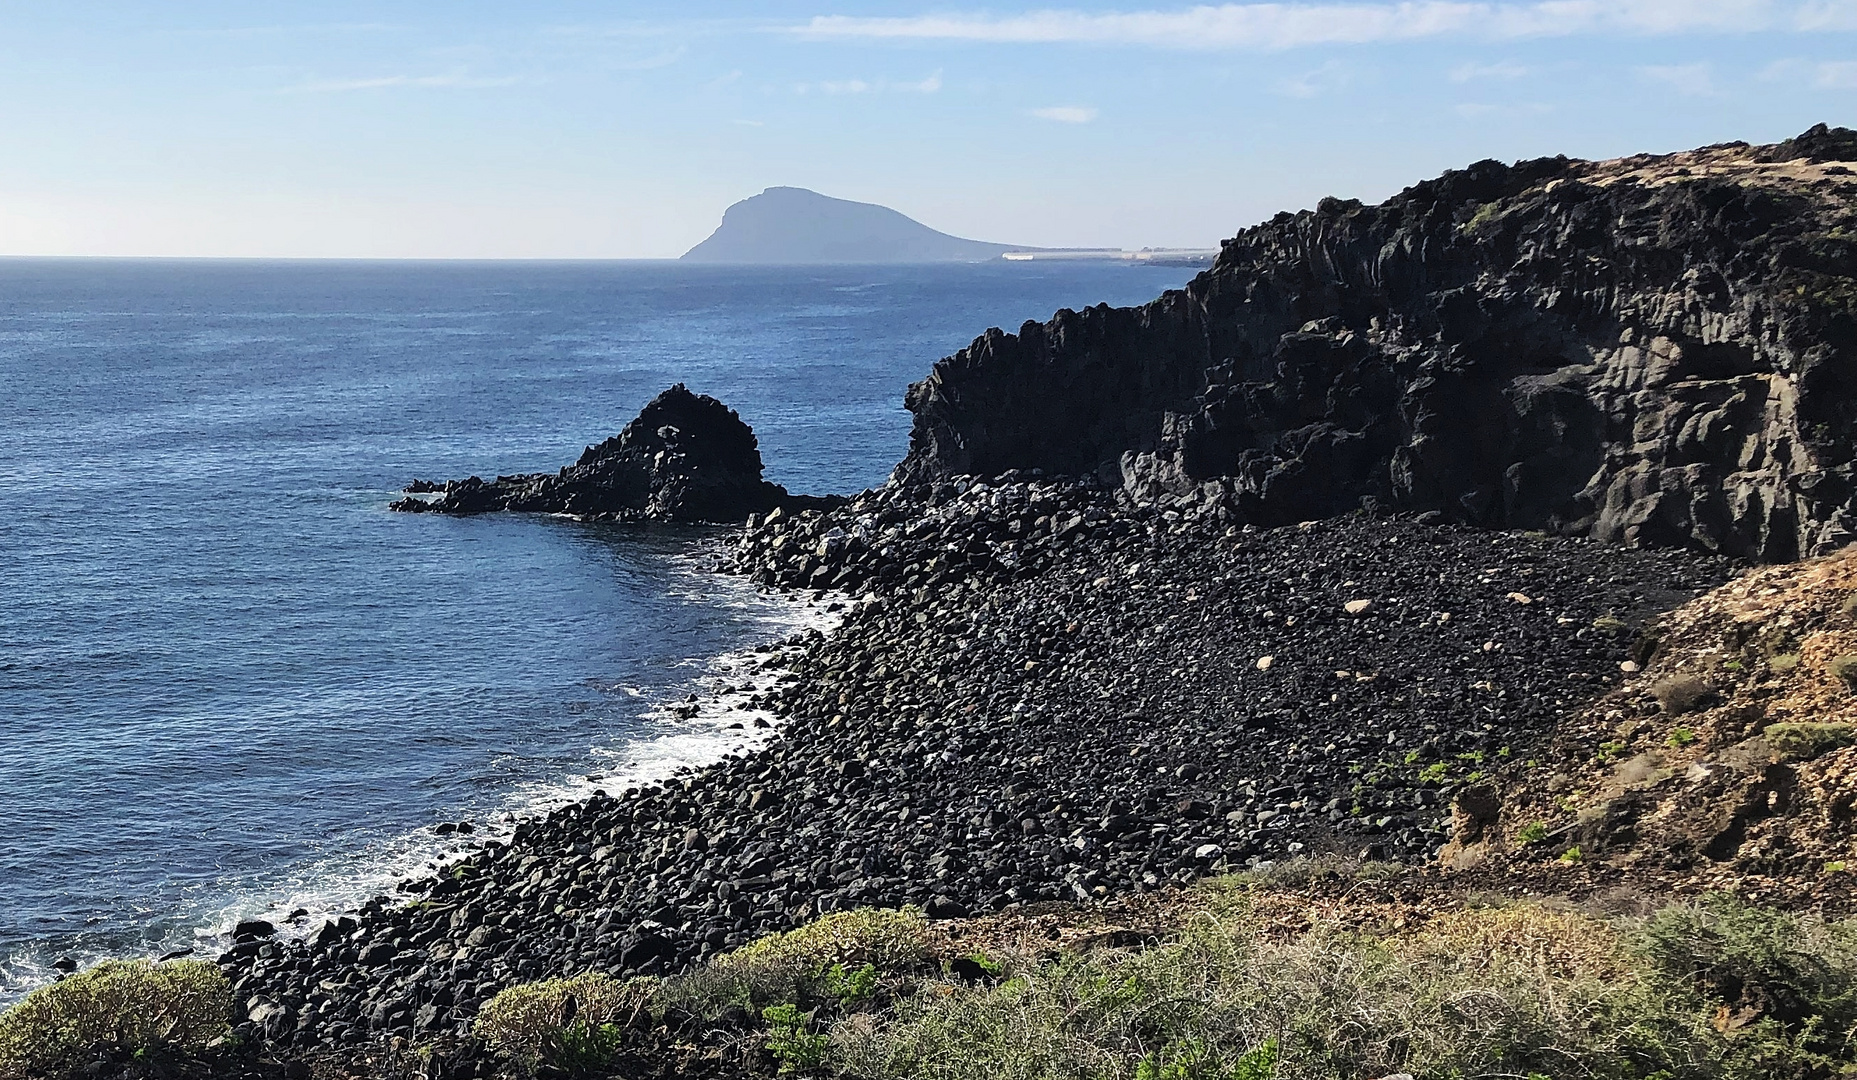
[(1655, 350), (788, 225), (687, 457)]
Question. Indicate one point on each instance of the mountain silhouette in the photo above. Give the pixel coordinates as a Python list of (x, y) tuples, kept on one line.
[(794, 225)]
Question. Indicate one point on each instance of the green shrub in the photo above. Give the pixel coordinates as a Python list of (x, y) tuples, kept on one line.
[(821, 963), (1611, 625), (131, 1006), (1681, 738), (1258, 1064), (1192, 1059), (1844, 668), (850, 986), (1532, 833), (573, 1024), (584, 1048), (1486, 213), (1805, 741), (795, 1048), (885, 939)]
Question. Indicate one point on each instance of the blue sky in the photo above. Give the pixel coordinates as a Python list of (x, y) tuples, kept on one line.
[(596, 130)]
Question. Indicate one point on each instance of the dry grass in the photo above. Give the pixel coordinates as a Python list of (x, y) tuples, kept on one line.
[(1495, 991), (1255, 978), (1512, 990)]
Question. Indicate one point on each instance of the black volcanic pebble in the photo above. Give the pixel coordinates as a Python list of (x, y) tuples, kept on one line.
[(1044, 696)]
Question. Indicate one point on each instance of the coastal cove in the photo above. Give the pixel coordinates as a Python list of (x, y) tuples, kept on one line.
[(1080, 668), (236, 685), (1424, 645)]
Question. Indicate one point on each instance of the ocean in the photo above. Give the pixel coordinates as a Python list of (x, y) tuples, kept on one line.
[(232, 685)]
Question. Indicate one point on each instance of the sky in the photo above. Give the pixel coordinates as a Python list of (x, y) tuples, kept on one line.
[(464, 129)]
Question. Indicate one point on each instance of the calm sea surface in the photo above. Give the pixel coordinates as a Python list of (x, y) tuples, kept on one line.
[(232, 684)]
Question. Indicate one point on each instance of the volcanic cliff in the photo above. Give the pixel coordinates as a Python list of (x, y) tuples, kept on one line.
[(1655, 350)]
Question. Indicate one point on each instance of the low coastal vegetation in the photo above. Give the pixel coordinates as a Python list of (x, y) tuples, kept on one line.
[(120, 1008), (1308, 971), (1244, 979)]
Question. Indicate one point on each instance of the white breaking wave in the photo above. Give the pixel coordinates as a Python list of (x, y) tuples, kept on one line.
[(681, 735)]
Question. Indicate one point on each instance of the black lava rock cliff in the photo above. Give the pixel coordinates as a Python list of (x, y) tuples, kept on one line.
[(686, 457), (1655, 350)]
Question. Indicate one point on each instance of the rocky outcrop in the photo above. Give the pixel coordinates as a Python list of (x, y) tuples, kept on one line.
[(687, 457), (1724, 760), (1655, 350)]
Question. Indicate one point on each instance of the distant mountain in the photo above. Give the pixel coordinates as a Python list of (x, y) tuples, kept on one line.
[(793, 225)]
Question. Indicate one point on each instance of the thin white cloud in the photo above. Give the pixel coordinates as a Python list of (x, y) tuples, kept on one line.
[(930, 85), (1066, 114), (444, 82), (1836, 75), (647, 28), (1480, 110), (1828, 15), (1501, 70), (300, 28), (1820, 74), (1326, 79), (652, 63), (1688, 80), (1289, 25)]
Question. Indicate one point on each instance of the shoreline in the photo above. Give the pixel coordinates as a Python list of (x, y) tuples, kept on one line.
[(670, 739), (1027, 720)]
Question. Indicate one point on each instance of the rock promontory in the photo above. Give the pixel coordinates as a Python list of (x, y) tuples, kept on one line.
[(686, 457), (1659, 350)]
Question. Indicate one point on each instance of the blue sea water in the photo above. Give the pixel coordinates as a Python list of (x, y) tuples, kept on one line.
[(232, 684)]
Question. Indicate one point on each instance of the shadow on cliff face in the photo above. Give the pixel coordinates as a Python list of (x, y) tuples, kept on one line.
[(1655, 350)]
